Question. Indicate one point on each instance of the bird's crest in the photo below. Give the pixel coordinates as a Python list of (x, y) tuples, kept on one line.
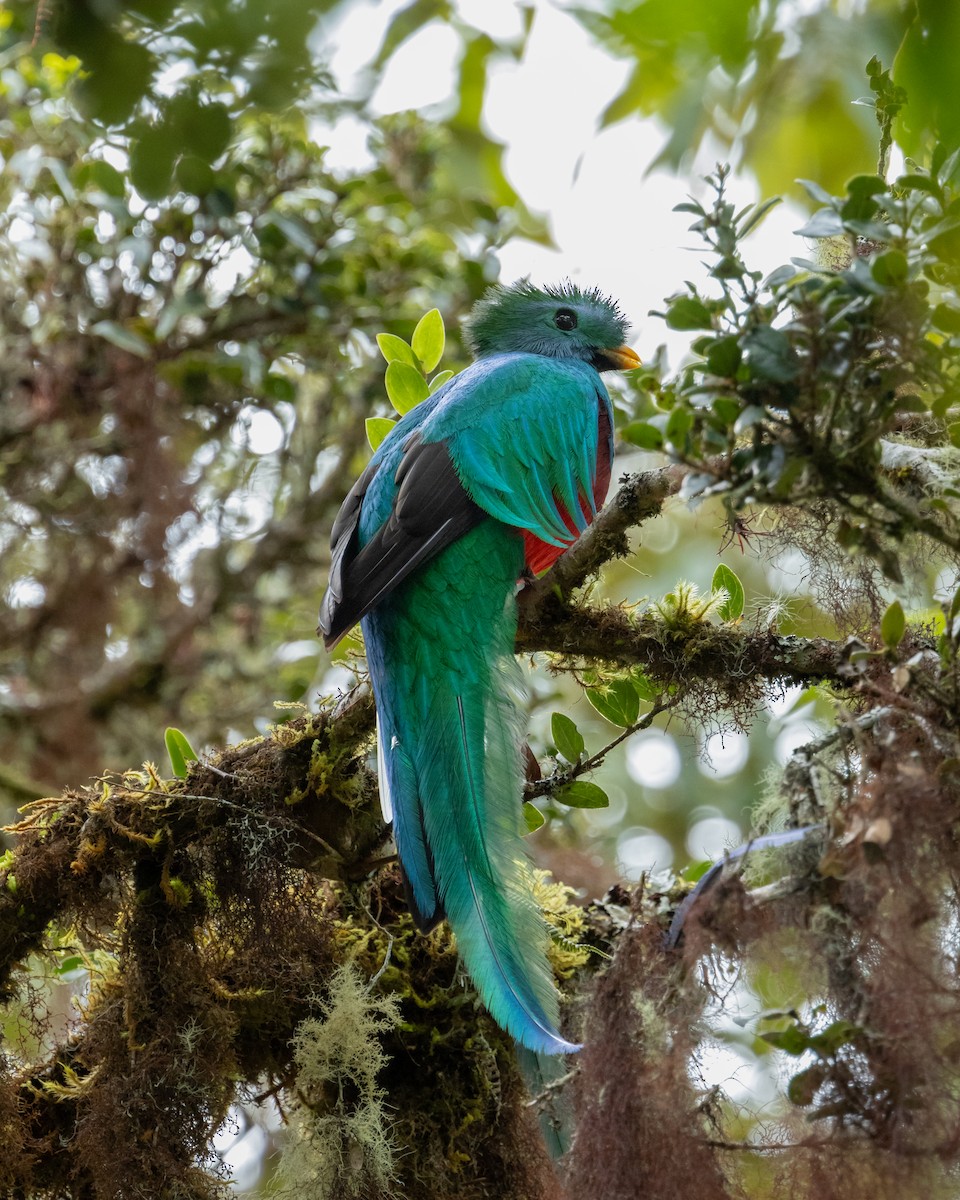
[(560, 321)]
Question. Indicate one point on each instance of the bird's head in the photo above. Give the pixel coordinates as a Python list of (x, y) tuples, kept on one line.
[(560, 322)]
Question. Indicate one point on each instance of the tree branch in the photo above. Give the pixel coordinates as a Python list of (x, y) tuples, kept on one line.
[(718, 654)]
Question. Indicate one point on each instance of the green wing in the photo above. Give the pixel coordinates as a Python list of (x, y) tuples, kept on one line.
[(524, 441)]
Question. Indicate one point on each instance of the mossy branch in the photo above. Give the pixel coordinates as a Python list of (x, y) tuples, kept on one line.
[(707, 653), (302, 794)]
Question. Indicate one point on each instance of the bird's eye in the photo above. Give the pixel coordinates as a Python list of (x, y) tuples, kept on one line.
[(565, 319)]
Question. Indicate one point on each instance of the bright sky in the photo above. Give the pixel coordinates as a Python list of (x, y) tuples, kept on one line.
[(613, 223)]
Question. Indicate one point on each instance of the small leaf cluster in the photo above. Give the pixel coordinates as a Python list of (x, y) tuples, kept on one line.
[(618, 699), (887, 99), (127, 49), (629, 700), (409, 365), (566, 787), (803, 378)]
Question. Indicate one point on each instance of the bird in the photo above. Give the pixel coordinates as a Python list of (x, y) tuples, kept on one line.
[(476, 490)]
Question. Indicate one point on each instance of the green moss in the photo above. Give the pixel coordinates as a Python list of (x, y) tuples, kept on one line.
[(684, 608), (566, 923), (178, 893), (327, 777)]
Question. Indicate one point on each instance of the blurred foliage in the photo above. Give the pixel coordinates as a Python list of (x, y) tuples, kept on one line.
[(186, 377), (769, 85), (257, 55)]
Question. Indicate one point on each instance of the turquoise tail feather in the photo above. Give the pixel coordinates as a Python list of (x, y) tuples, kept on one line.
[(447, 685)]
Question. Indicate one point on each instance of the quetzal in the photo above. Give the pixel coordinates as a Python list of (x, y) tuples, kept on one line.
[(490, 478)]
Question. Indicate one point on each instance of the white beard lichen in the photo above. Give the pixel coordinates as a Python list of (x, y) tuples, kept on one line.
[(339, 1143)]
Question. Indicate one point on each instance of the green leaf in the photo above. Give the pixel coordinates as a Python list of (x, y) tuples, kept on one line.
[(770, 355), (873, 231), (207, 130), (428, 339), (727, 410), (889, 268), (947, 318), (377, 429), (791, 1040), (679, 424), (179, 751), (123, 338), (566, 737), (642, 434), (893, 625), (839, 1033), (645, 689), (824, 223), (440, 379), (919, 183), (802, 1088), (724, 579), (405, 386), (816, 191), (860, 204), (810, 695), (102, 175), (724, 356), (73, 962), (581, 794), (532, 816), (778, 277), (695, 871), (395, 349), (756, 213), (948, 166), (689, 312), (408, 20), (954, 610), (194, 175), (618, 701), (152, 157)]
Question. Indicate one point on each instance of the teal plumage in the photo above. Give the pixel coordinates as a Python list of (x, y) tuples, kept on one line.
[(498, 471)]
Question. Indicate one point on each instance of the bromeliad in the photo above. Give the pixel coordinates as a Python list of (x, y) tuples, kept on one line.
[(492, 476)]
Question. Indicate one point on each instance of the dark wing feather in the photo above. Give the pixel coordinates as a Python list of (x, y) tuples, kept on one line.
[(343, 540), (430, 511)]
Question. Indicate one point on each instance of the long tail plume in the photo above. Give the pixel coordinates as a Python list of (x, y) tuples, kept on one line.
[(451, 728)]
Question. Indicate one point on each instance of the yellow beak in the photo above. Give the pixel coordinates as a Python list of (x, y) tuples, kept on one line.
[(623, 358)]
